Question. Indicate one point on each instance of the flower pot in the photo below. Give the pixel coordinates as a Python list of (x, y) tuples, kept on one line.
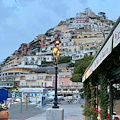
[(4, 115)]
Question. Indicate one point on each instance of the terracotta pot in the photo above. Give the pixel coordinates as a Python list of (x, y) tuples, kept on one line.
[(116, 118), (4, 115)]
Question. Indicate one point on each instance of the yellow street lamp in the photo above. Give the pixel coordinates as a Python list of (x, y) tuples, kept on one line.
[(56, 54)]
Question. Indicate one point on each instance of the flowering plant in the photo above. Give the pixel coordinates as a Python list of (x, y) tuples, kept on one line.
[(90, 111), (4, 106)]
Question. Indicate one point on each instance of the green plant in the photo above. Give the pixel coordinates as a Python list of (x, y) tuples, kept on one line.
[(64, 60), (4, 106), (116, 93), (33, 53), (90, 112), (103, 95), (87, 110), (93, 97)]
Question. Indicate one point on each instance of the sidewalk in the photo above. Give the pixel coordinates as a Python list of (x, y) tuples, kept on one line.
[(71, 112)]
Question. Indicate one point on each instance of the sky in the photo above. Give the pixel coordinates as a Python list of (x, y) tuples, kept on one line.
[(22, 20)]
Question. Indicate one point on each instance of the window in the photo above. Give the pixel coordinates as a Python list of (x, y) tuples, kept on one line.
[(38, 58), (77, 83), (42, 84), (80, 55), (32, 58), (74, 43), (45, 84), (44, 59), (26, 84), (62, 84), (22, 84), (62, 76), (26, 59), (75, 50), (70, 83), (48, 83), (38, 83)]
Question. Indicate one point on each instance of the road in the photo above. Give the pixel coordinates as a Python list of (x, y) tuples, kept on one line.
[(72, 111), (15, 111)]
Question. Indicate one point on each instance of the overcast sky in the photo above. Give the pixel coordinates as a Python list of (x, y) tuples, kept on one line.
[(22, 20)]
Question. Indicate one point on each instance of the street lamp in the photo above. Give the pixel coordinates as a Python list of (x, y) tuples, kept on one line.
[(56, 54)]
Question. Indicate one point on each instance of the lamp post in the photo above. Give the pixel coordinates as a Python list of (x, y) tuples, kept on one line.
[(56, 54)]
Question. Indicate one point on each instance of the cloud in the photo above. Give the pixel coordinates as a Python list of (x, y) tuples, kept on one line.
[(22, 21), (83, 2), (58, 8)]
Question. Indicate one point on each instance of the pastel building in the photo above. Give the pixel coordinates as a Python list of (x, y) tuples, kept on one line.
[(64, 80), (36, 80)]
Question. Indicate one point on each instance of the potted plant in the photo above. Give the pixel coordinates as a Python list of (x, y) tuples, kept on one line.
[(4, 114)]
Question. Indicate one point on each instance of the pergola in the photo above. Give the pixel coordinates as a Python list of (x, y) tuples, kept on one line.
[(102, 78)]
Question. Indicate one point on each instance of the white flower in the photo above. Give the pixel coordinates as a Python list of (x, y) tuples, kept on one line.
[(4, 106)]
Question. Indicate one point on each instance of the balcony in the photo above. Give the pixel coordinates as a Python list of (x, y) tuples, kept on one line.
[(70, 86), (7, 85), (30, 79), (48, 79), (17, 80), (24, 86), (35, 86)]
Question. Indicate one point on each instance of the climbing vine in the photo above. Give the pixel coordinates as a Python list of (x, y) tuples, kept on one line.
[(89, 109), (86, 89), (92, 89), (86, 110), (93, 100), (103, 94)]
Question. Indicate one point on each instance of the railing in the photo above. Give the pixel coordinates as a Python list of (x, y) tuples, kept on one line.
[(70, 86), (7, 86), (30, 79), (48, 79), (24, 86)]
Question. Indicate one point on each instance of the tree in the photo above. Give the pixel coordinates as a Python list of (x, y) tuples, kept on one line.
[(80, 67), (64, 59)]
